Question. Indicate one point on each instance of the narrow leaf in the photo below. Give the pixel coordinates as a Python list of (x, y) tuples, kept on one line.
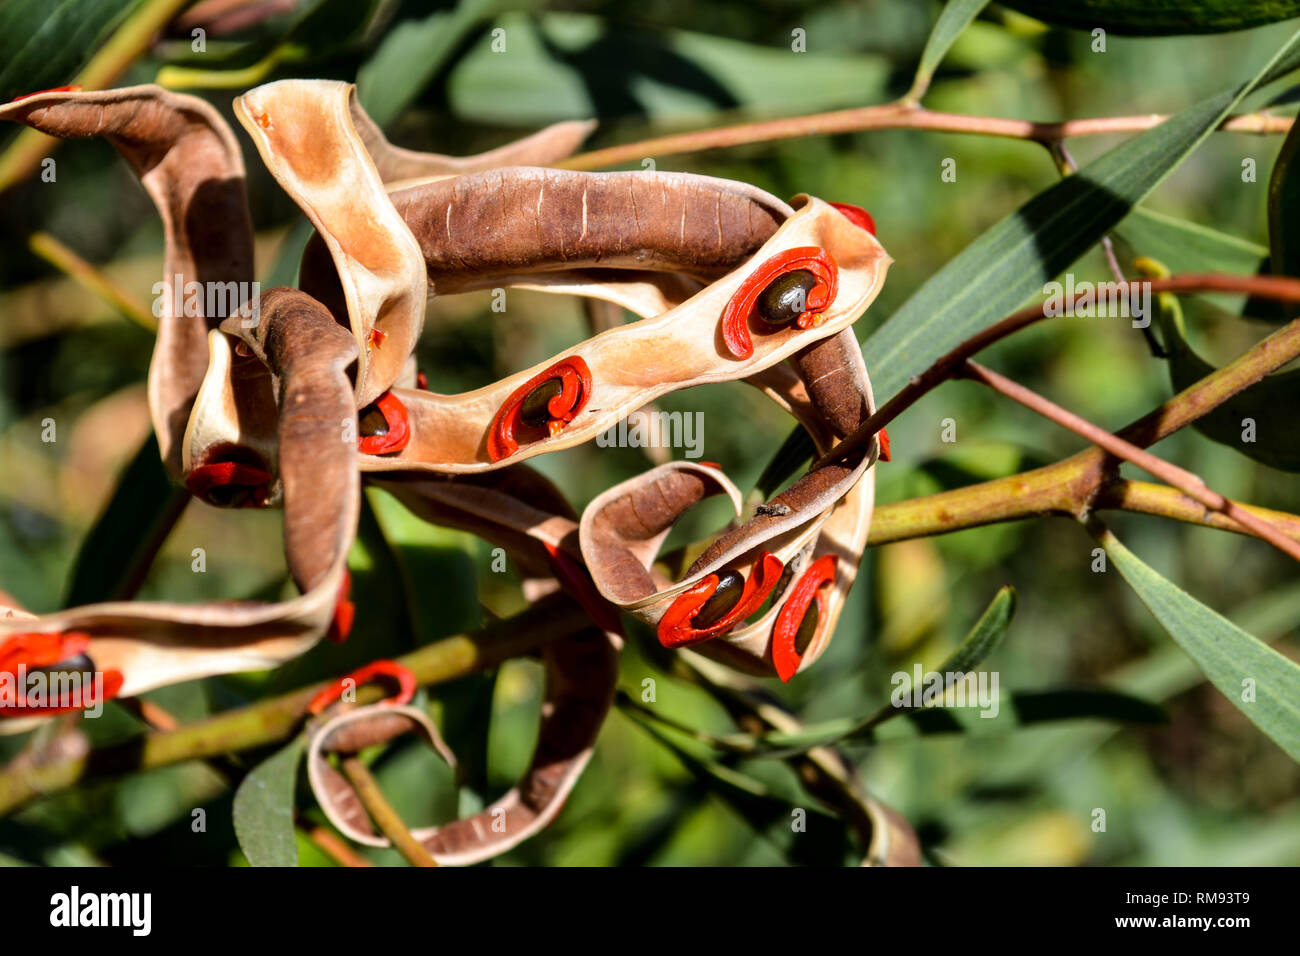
[(982, 640), (824, 840), (1158, 17), (1257, 680), (1283, 208), (1011, 261), (793, 454), (956, 17), (1268, 405)]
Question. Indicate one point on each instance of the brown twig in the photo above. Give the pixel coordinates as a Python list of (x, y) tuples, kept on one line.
[(381, 811), (895, 116), (333, 846), (1191, 485), (1279, 288)]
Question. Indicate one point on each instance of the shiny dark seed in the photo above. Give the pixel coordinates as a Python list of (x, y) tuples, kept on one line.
[(81, 664), (807, 627), (786, 297), (228, 496), (373, 422), (533, 410), (730, 586)]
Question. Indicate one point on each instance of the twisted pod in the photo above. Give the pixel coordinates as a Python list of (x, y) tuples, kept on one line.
[(287, 398)]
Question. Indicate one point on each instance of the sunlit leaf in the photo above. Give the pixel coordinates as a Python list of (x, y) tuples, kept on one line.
[(1158, 17), (956, 17), (1267, 408), (1257, 680), (264, 808), (1011, 261)]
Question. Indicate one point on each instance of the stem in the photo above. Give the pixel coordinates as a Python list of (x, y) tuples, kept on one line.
[(278, 718), (333, 846), (1087, 479), (945, 367), (381, 811), (1191, 485), (894, 116), (87, 276)]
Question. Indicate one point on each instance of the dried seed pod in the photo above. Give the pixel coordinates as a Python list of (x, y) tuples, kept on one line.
[(190, 164), (634, 363), (155, 643), (581, 675)]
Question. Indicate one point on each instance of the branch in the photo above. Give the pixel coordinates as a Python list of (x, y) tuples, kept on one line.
[(269, 721), (1191, 485), (895, 116), (381, 811), (1088, 479), (1058, 490), (1277, 288)]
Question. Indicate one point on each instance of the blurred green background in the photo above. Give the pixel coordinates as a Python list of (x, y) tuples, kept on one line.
[(1205, 787)]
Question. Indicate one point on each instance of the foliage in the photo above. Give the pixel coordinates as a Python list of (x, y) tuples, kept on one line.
[(1087, 673)]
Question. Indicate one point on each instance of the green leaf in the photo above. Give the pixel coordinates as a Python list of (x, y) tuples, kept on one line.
[(1158, 17), (1021, 708), (263, 808), (1270, 403), (825, 841), (321, 30), (45, 44), (411, 55), (118, 550), (1283, 208), (1189, 246), (982, 640), (956, 17), (564, 65), (1235, 662), (1037, 707), (1011, 261)]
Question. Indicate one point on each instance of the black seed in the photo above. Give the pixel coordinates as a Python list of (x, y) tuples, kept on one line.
[(373, 422), (228, 496), (730, 586), (786, 297), (807, 627), (533, 410), (81, 664)]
